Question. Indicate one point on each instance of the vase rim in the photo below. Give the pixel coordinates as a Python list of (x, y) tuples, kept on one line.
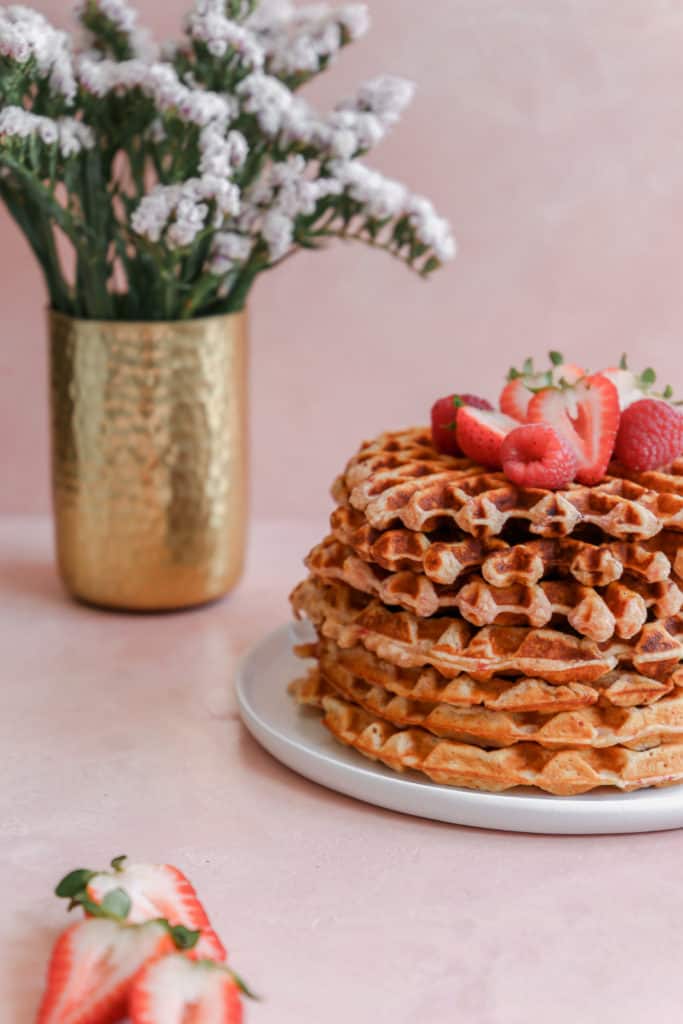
[(55, 314)]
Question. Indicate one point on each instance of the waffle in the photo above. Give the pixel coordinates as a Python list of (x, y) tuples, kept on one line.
[(452, 646), (620, 609), (400, 479), (564, 772), (500, 563), (617, 689), (668, 480), (593, 727)]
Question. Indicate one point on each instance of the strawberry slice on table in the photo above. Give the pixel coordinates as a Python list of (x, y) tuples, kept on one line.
[(522, 384), (480, 434), (444, 417), (155, 891), (92, 968), (176, 990), (586, 415)]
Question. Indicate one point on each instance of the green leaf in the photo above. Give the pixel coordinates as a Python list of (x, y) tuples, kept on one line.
[(242, 986), (74, 883), (648, 377), (667, 393), (556, 358), (117, 862), (116, 904), (527, 367), (623, 362), (183, 937)]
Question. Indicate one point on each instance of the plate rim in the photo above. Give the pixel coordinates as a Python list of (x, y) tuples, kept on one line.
[(598, 813)]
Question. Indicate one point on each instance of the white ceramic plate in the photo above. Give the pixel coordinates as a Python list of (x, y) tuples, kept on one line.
[(296, 737)]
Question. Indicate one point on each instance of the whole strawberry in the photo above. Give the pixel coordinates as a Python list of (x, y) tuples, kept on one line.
[(444, 419), (650, 435)]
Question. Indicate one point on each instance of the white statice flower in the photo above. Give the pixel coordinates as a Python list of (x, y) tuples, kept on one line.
[(208, 24), (26, 35), (300, 40), (229, 250), (70, 135), (430, 228), (277, 231), (221, 154), (180, 212), (160, 83), (381, 196), (267, 99), (122, 16), (385, 96)]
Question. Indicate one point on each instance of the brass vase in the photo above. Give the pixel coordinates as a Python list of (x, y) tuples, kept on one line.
[(149, 458)]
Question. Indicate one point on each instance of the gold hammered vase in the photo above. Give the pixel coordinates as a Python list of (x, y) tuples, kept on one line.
[(149, 458)]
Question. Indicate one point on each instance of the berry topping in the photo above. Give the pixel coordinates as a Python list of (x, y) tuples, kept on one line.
[(444, 418), (650, 434), (522, 384), (586, 415), (534, 455), (480, 433), (634, 386)]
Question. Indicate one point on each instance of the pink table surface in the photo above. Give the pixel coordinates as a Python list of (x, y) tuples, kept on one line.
[(120, 734)]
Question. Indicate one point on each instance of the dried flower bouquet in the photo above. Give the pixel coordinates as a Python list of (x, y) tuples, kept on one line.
[(157, 183)]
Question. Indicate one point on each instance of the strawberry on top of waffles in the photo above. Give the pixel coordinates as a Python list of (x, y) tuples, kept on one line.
[(563, 424)]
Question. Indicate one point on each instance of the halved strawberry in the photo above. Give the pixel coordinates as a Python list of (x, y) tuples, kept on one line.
[(176, 990), (522, 384), (480, 434), (586, 415), (92, 969), (154, 891), (632, 387)]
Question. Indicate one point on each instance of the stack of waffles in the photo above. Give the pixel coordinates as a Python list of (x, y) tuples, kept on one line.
[(491, 636)]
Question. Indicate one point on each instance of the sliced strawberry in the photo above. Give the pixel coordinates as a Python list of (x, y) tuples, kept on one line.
[(522, 384), (159, 890), (586, 415), (92, 969), (444, 416), (176, 990), (514, 399), (534, 455), (480, 434), (650, 435)]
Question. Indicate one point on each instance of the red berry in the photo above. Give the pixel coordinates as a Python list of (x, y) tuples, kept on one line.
[(586, 415), (480, 434), (514, 399), (444, 417), (650, 435), (535, 455)]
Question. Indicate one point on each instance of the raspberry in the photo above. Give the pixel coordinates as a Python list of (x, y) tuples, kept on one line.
[(534, 455), (650, 435)]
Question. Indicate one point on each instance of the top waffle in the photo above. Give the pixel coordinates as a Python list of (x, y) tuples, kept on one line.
[(399, 478)]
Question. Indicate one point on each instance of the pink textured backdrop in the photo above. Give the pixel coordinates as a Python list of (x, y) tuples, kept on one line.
[(549, 131)]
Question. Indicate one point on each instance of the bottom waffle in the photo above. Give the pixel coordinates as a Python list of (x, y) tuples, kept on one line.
[(588, 728), (562, 773)]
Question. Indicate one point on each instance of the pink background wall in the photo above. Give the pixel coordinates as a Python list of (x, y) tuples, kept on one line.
[(550, 132)]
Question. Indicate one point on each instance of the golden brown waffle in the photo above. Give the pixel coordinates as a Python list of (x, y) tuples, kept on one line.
[(399, 478), (668, 480), (501, 564), (618, 689), (621, 608), (451, 646), (563, 772), (595, 727)]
